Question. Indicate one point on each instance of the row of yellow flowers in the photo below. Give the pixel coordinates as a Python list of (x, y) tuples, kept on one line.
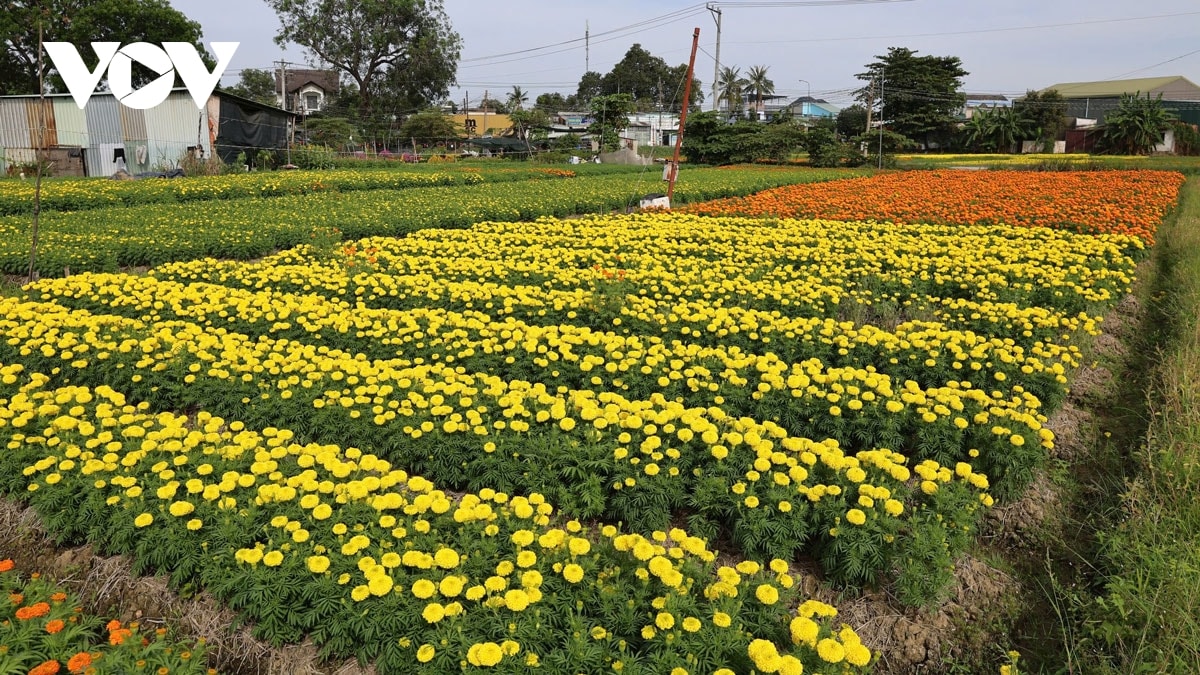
[(595, 454), (302, 538), (760, 386)]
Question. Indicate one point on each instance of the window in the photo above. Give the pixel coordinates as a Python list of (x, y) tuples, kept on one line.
[(312, 101)]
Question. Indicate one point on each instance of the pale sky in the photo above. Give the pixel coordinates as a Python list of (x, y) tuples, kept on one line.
[(817, 46)]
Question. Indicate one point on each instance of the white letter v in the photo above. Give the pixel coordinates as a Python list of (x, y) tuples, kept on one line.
[(80, 81)]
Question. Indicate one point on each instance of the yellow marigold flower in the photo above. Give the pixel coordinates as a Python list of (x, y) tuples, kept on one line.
[(579, 546), (451, 586), (317, 564), (691, 624), (446, 558), (573, 573), (679, 671), (143, 520), (485, 655), (831, 651), (360, 593), (664, 620), (722, 620), (516, 600), (598, 633), (857, 654), (273, 559), (195, 524), (804, 631), (433, 612), (767, 594), (181, 508), (856, 517), (425, 653), (423, 589)]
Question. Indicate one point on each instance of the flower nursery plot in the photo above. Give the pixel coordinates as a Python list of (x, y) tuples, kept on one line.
[(249, 227), (1092, 202), (514, 445)]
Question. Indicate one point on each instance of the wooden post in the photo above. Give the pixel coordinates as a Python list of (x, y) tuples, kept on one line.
[(687, 94)]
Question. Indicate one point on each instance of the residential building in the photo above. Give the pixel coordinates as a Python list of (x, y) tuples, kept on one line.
[(308, 91), (813, 108)]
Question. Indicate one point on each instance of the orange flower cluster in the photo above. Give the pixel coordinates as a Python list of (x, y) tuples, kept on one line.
[(33, 611), (1090, 202)]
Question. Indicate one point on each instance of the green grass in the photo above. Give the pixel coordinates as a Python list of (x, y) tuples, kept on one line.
[(1147, 617)]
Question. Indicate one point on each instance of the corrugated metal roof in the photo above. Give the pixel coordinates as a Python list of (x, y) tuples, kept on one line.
[(71, 122), (1173, 88), (14, 123), (103, 120)]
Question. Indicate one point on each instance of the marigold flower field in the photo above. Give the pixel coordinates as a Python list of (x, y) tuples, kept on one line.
[(596, 444)]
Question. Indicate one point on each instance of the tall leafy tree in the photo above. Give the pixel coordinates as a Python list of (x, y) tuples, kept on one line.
[(402, 52), (1046, 112), (730, 87), (429, 127), (610, 114), (649, 81), (996, 129), (921, 94), (1137, 125), (256, 85), (851, 121), (759, 85), (81, 22)]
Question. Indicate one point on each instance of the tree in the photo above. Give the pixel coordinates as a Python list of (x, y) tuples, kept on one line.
[(81, 23), (1136, 126), (429, 127), (922, 95), (551, 101), (610, 114), (851, 121), (526, 122), (730, 86), (401, 51), (758, 84), (1046, 113), (711, 139), (996, 129), (650, 82), (334, 132), (591, 85), (494, 105), (517, 98), (256, 85)]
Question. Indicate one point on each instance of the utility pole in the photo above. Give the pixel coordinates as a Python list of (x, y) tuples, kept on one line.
[(38, 158), (716, 12), (687, 96), (485, 107), (587, 47)]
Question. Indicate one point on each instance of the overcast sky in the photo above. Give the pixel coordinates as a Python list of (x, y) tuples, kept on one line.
[(1007, 46)]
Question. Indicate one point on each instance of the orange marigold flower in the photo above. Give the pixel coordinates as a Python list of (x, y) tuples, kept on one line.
[(112, 625), (6, 564), (58, 597), (46, 668), (16, 598), (33, 611), (118, 636), (55, 626), (79, 662)]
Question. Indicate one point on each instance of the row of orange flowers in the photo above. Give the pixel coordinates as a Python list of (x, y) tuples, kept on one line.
[(44, 631), (1089, 202)]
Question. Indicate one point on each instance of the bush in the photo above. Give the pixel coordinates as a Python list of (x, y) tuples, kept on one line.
[(314, 157)]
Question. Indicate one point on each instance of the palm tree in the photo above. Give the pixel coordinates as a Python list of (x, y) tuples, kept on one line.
[(1137, 125), (517, 98), (730, 86), (758, 84)]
